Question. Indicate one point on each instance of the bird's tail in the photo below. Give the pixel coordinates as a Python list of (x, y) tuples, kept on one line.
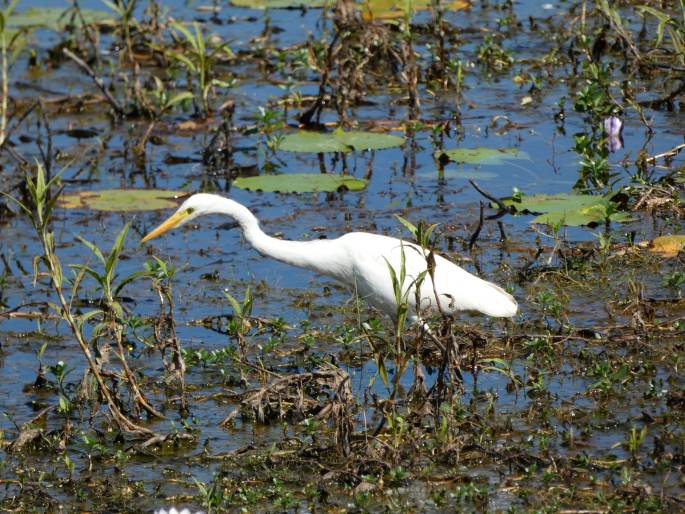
[(494, 301)]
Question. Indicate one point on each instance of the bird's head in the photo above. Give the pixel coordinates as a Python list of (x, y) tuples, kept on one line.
[(197, 205)]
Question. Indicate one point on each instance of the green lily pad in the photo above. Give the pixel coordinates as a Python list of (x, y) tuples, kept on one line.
[(280, 4), (568, 209), (482, 155), (300, 183), (461, 174), (121, 200), (338, 141), (56, 18), (392, 9), (370, 9)]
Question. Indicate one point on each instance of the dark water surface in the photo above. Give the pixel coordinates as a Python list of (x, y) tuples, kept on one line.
[(403, 181)]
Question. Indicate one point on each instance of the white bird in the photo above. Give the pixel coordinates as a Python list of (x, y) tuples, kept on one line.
[(361, 261), (174, 510)]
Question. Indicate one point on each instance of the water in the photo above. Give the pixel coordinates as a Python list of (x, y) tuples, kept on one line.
[(211, 258)]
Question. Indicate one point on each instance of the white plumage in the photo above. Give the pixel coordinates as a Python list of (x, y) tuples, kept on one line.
[(174, 510), (360, 261)]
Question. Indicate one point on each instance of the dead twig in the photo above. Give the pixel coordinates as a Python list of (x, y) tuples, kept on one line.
[(669, 153), (156, 440), (502, 208), (138, 396), (28, 315), (287, 396), (524, 270), (98, 82), (314, 112), (476, 233)]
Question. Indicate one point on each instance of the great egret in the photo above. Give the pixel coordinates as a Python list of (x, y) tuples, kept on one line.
[(174, 510), (360, 261)]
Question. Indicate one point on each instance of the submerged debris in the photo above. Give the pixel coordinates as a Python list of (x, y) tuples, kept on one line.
[(321, 394)]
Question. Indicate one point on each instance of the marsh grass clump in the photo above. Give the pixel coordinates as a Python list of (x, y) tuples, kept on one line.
[(44, 195)]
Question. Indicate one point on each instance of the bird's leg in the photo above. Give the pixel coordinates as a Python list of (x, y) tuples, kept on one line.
[(457, 358), (450, 361), (425, 329)]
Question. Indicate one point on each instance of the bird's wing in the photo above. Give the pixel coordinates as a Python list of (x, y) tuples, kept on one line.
[(463, 291), (457, 290), (373, 256)]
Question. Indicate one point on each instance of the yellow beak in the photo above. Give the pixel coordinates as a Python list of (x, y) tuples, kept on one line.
[(170, 223)]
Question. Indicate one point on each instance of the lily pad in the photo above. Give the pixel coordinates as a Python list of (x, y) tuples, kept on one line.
[(473, 174), (338, 141), (56, 18), (668, 246), (300, 183), (568, 209), (390, 9), (121, 200), (280, 4), (482, 155)]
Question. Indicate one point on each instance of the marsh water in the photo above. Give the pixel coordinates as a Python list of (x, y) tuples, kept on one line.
[(593, 416)]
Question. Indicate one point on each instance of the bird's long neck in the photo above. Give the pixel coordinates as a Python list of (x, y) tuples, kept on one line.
[(321, 256)]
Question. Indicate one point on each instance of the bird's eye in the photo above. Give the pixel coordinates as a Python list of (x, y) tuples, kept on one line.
[(189, 211)]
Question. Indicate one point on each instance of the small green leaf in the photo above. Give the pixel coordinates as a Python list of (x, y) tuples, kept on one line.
[(16, 202), (81, 320), (100, 279), (180, 97), (183, 59), (63, 404), (382, 371), (408, 224), (237, 308), (68, 463), (114, 252), (183, 30), (300, 183), (127, 280), (92, 248), (247, 302)]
